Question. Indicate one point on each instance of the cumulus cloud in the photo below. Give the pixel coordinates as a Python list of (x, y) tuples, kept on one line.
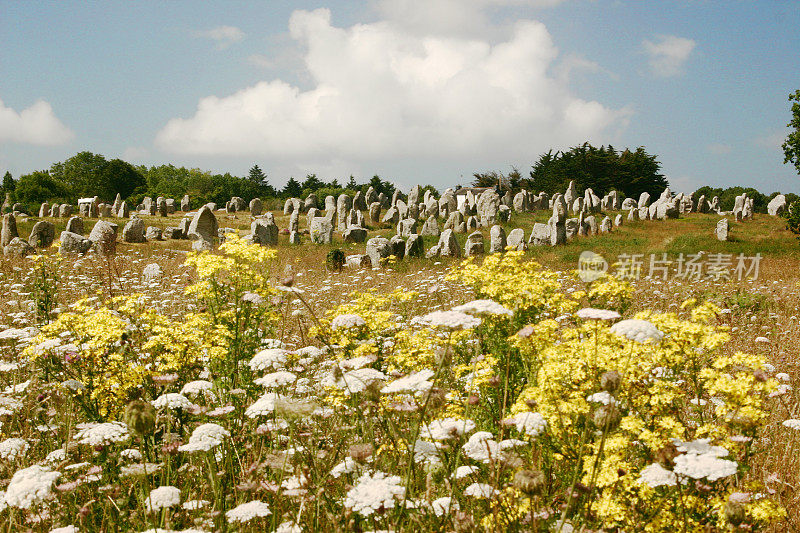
[(668, 54), (34, 125), (378, 92), (223, 36)]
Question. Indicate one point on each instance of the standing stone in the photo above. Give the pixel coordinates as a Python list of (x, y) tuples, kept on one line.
[(123, 211), (134, 231), (354, 234), (714, 205), (633, 214), (487, 207), (9, 230), (311, 215), (294, 238), (310, 201), (105, 210), (540, 235), (520, 203), (644, 199), (17, 248), (359, 202), (265, 232), (397, 244), (321, 230), (558, 233), (343, 205), (64, 210), (153, 233), (294, 221), (54, 210), (605, 225), (448, 245), (75, 225), (371, 196), (392, 217), (618, 220), (590, 224), (74, 243), (375, 213), (430, 228), (722, 229), (44, 210), (255, 207), (702, 205), (185, 204), (355, 218), (330, 204), (472, 224), (571, 227), (402, 209), (503, 214), (629, 203), (288, 206), (497, 239), (516, 240), (7, 204), (474, 245), (414, 194), (777, 205), (42, 234), (117, 202), (406, 227), (559, 209), (378, 248), (104, 237), (571, 194), (203, 229), (415, 246)]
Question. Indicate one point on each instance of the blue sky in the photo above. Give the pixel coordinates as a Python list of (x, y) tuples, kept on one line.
[(417, 91)]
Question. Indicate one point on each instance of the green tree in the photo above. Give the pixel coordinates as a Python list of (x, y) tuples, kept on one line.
[(8, 182), (259, 180), (37, 187), (791, 146), (351, 184), (311, 184), (292, 189)]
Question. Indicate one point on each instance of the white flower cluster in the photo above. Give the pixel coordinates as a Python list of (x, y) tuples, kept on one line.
[(13, 449), (447, 319), (262, 406), (193, 388), (601, 397), (205, 437), (347, 322), (163, 498), (698, 460), (656, 475), (276, 379), (271, 358), (172, 400), (480, 490), (101, 434), (373, 492), (483, 307), (247, 511), (447, 428), (414, 382), (792, 423), (359, 379), (30, 486), (530, 423), (637, 330)]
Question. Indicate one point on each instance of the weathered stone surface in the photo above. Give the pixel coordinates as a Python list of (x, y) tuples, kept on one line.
[(238, 203), (265, 232), (74, 243), (355, 218), (105, 210), (54, 210), (558, 233), (288, 206), (44, 210), (185, 203), (590, 225), (629, 203), (472, 224), (358, 261), (714, 205), (255, 207), (392, 217), (7, 203), (487, 207), (104, 237), (18, 208), (497, 239), (359, 202), (398, 247), (448, 245), (152, 233), (559, 209), (540, 235), (520, 203), (618, 220), (571, 227), (644, 199), (64, 210), (294, 221), (294, 238), (9, 230), (171, 233), (406, 227), (722, 229), (17, 248), (42, 234), (374, 212), (414, 246), (321, 230), (605, 225), (414, 195), (633, 214), (503, 214), (354, 234), (371, 196), (203, 229), (777, 205), (75, 225), (123, 211), (430, 228), (378, 248), (571, 194), (309, 202), (516, 240)]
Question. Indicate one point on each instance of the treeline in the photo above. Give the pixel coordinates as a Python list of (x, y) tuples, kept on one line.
[(602, 169), (87, 174), (727, 197)]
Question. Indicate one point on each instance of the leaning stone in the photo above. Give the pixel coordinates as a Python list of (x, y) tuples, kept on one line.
[(516, 240), (75, 225), (9, 230), (74, 243), (203, 229), (134, 231), (42, 234), (104, 237), (415, 247), (354, 234), (398, 246)]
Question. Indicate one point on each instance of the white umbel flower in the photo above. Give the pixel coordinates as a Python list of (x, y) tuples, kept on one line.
[(276, 379), (415, 382), (30, 486), (447, 319), (163, 498), (443, 506), (262, 406), (637, 330), (172, 400), (13, 449), (288, 527), (205, 437), (65, 529), (103, 434), (482, 447), (374, 492), (655, 475), (347, 322), (193, 388), (483, 307), (271, 358), (530, 423), (480, 490), (447, 428), (709, 466), (792, 423), (247, 511)]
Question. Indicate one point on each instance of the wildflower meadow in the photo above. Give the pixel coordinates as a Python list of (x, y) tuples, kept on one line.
[(218, 391)]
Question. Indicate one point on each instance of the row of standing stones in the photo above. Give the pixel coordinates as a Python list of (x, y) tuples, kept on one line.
[(414, 216)]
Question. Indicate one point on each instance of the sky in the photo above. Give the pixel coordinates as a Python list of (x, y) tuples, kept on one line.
[(416, 91)]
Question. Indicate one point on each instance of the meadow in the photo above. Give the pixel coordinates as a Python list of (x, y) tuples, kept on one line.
[(253, 389)]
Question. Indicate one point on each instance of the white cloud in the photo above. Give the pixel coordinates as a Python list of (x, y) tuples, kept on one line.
[(223, 36), (719, 148), (135, 154), (34, 125), (381, 93), (260, 60), (668, 54)]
